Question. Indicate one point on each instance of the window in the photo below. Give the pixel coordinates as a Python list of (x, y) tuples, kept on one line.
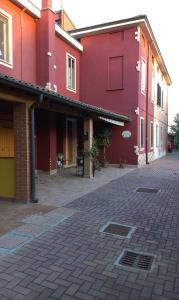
[(5, 37), (151, 134), (153, 87), (157, 135), (159, 95), (71, 73), (141, 133), (115, 73), (143, 76), (162, 100)]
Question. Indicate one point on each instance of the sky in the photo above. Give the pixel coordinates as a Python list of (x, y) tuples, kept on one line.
[(162, 15)]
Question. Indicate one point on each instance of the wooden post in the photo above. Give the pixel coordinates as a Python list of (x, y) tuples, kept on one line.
[(88, 130)]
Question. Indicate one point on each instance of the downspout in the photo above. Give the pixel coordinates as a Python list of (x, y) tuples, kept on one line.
[(147, 109), (33, 198)]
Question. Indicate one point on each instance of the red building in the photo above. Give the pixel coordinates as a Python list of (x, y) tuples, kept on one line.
[(123, 58), (60, 86)]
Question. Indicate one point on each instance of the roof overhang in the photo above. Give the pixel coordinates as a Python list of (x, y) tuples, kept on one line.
[(141, 21), (52, 96), (30, 7), (117, 123), (67, 37)]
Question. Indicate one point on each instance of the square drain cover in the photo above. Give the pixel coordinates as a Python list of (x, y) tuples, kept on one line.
[(136, 260), (118, 229), (147, 190)]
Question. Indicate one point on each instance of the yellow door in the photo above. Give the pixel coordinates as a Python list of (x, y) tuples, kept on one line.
[(7, 177)]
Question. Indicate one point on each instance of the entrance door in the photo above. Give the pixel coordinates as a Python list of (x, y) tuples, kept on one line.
[(6, 162), (71, 145)]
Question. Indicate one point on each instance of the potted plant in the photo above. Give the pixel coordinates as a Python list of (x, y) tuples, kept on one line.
[(93, 154), (104, 141)]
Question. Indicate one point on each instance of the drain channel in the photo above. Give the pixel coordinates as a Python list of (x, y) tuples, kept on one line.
[(136, 260), (147, 190)]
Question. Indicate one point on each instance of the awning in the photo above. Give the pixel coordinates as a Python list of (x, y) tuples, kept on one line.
[(112, 121)]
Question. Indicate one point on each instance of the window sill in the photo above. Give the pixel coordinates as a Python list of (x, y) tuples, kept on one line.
[(71, 90), (6, 64), (117, 89)]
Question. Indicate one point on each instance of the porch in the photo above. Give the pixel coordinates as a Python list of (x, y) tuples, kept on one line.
[(62, 188), (42, 124)]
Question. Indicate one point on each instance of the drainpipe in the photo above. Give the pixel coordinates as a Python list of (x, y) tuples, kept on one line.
[(147, 109), (33, 198)]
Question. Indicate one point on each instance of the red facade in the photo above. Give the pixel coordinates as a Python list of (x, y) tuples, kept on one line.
[(119, 93), (107, 76)]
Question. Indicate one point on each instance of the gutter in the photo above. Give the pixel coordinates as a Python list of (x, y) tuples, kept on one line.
[(39, 101)]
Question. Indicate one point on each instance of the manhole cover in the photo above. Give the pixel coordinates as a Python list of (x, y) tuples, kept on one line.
[(136, 260), (147, 190), (118, 229)]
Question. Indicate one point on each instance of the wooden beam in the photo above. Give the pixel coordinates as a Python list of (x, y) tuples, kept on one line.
[(11, 96), (63, 109)]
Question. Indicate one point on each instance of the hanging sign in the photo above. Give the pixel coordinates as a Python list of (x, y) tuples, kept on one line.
[(126, 134)]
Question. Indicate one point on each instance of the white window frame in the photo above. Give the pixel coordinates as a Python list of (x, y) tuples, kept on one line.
[(142, 146), (157, 135), (143, 76), (67, 75), (8, 63), (151, 135), (153, 87)]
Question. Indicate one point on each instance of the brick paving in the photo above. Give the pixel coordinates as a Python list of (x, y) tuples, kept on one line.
[(75, 260)]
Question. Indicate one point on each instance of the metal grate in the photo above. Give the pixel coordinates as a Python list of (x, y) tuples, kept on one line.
[(147, 190), (117, 229), (136, 260)]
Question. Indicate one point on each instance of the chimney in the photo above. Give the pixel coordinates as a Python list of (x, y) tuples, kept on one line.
[(46, 4), (46, 73)]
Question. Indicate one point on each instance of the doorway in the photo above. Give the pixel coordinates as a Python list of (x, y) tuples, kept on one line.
[(71, 141)]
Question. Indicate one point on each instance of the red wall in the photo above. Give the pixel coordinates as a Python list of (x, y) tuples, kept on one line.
[(62, 48), (24, 44), (95, 84), (46, 140), (143, 52)]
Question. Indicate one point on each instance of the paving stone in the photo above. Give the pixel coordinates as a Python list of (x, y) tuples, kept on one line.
[(73, 288), (63, 212), (31, 229), (59, 292), (74, 261), (43, 220), (11, 241)]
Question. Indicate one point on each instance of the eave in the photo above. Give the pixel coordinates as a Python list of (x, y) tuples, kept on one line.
[(31, 8), (67, 37)]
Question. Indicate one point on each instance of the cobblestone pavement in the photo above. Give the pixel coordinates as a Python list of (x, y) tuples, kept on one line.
[(74, 260)]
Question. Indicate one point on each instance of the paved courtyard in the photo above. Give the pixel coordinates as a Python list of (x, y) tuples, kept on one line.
[(73, 259)]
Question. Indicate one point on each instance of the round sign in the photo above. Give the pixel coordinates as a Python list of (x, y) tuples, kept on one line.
[(126, 134)]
